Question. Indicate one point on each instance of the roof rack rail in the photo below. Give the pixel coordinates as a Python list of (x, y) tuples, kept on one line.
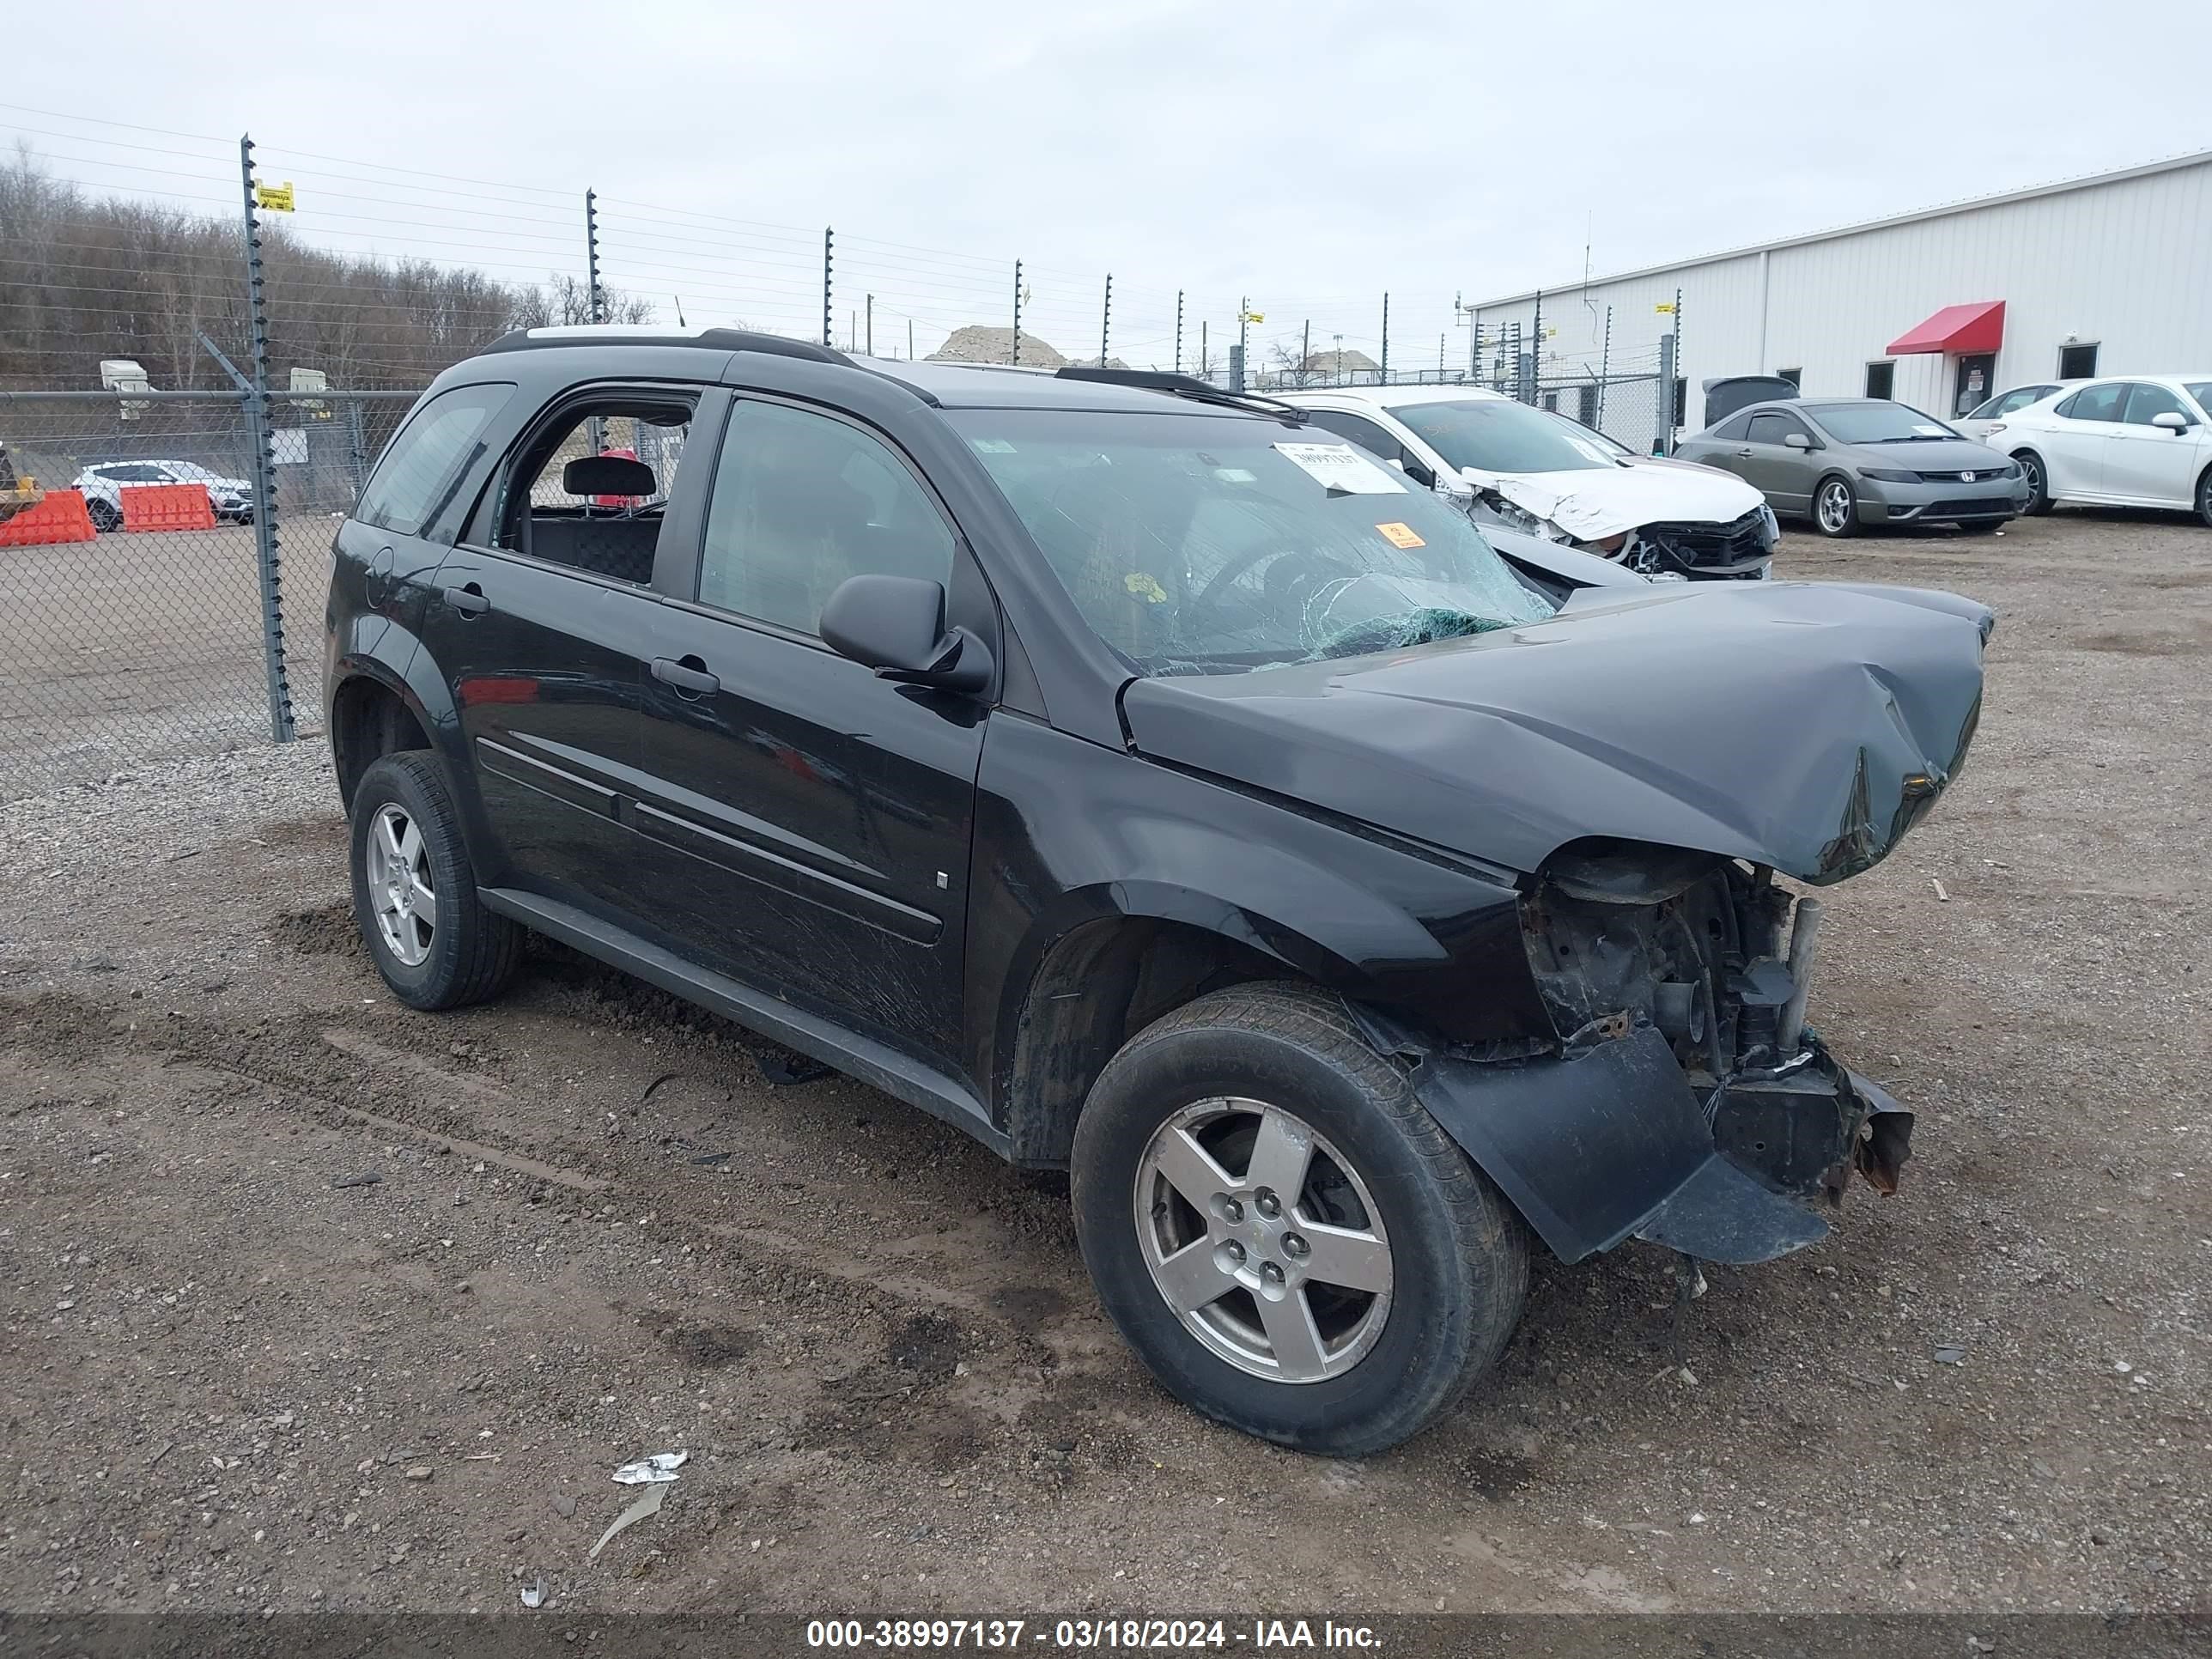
[(655, 334), (1187, 385)]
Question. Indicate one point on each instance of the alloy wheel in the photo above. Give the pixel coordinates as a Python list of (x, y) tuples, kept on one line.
[(1264, 1240), (1835, 507), (399, 885)]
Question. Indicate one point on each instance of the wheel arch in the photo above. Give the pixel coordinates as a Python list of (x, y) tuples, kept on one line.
[(1132, 955)]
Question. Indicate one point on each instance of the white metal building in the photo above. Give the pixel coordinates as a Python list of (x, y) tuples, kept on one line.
[(1940, 308)]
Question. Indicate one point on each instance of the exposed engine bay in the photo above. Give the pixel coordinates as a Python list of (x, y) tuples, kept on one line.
[(1718, 959)]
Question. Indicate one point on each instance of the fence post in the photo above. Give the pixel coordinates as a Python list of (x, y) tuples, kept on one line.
[(1382, 374), (1243, 337), (1604, 368), (1666, 442), (1537, 349), (1106, 320), (1016, 360), (281, 728), (828, 243), (1178, 367), (595, 296)]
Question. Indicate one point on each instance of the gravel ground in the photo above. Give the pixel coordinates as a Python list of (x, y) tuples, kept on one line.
[(229, 1381)]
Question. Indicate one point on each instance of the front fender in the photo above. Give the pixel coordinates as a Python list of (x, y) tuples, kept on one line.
[(1068, 833)]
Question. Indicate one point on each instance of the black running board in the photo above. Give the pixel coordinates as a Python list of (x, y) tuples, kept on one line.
[(873, 1063)]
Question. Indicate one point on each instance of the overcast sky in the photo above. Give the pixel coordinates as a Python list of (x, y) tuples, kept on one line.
[(1309, 154)]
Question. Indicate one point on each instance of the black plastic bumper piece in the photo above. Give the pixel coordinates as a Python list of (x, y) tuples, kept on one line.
[(1608, 1145)]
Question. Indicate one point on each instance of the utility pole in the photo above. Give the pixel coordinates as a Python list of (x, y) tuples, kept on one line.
[(1382, 374), (1106, 320), (872, 326), (1244, 336), (910, 339), (1017, 358), (829, 244), (1201, 349), (1305, 351), (1178, 367)]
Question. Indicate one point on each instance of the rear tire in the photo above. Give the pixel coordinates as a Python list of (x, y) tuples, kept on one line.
[(105, 516), (1835, 508), (2038, 482), (1384, 1285), (415, 891), (2204, 497)]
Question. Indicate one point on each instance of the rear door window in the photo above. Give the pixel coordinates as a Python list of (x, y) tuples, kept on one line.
[(2095, 402), (1772, 428), (416, 480)]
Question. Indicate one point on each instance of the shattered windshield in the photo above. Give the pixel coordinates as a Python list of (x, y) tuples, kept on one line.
[(1219, 545), (1495, 434)]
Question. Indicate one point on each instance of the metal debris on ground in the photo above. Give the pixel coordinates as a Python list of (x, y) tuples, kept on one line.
[(660, 1467), (1950, 1353), (708, 1159), (1942, 895), (654, 1496), (785, 1069), (533, 1595), (366, 1178)]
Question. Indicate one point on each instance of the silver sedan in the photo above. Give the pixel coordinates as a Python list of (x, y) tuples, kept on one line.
[(1848, 464)]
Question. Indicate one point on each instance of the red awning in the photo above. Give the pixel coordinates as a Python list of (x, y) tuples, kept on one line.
[(1956, 329)]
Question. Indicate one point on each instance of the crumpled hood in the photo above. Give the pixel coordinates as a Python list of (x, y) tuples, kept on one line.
[(1597, 503), (1804, 726)]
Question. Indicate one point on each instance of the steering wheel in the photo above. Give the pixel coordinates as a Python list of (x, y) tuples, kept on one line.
[(1293, 569)]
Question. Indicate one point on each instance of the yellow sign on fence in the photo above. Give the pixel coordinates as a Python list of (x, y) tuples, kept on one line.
[(278, 199), (1664, 308)]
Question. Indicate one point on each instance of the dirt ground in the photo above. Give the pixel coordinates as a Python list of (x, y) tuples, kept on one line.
[(233, 1378)]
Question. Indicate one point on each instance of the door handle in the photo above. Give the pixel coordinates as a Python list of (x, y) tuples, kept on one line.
[(1743, 454), (689, 676), (468, 599)]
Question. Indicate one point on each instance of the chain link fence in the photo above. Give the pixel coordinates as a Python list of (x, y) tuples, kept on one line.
[(137, 623)]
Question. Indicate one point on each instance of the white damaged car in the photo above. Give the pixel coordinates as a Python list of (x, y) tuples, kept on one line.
[(1544, 474)]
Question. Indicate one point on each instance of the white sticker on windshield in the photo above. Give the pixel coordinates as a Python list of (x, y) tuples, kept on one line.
[(1932, 431), (1339, 466)]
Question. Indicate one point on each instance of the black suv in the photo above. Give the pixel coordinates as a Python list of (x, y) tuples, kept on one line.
[(1158, 788)]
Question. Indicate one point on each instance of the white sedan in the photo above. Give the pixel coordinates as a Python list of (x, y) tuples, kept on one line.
[(1544, 474), (1977, 422), (2144, 441)]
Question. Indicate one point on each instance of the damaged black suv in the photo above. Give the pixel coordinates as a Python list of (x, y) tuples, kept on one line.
[(1158, 789)]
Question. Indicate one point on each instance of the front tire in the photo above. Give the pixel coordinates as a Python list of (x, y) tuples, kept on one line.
[(105, 516), (1836, 507), (415, 891), (1290, 1242), (2038, 482), (2204, 497)]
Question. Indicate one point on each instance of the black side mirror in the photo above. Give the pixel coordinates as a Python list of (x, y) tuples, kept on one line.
[(1418, 473), (895, 625)]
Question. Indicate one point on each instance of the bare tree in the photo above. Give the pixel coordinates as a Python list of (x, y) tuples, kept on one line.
[(93, 277)]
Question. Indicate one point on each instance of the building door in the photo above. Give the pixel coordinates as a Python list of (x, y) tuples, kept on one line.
[(1976, 382)]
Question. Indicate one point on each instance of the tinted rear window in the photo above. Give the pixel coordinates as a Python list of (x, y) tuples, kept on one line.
[(418, 474)]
